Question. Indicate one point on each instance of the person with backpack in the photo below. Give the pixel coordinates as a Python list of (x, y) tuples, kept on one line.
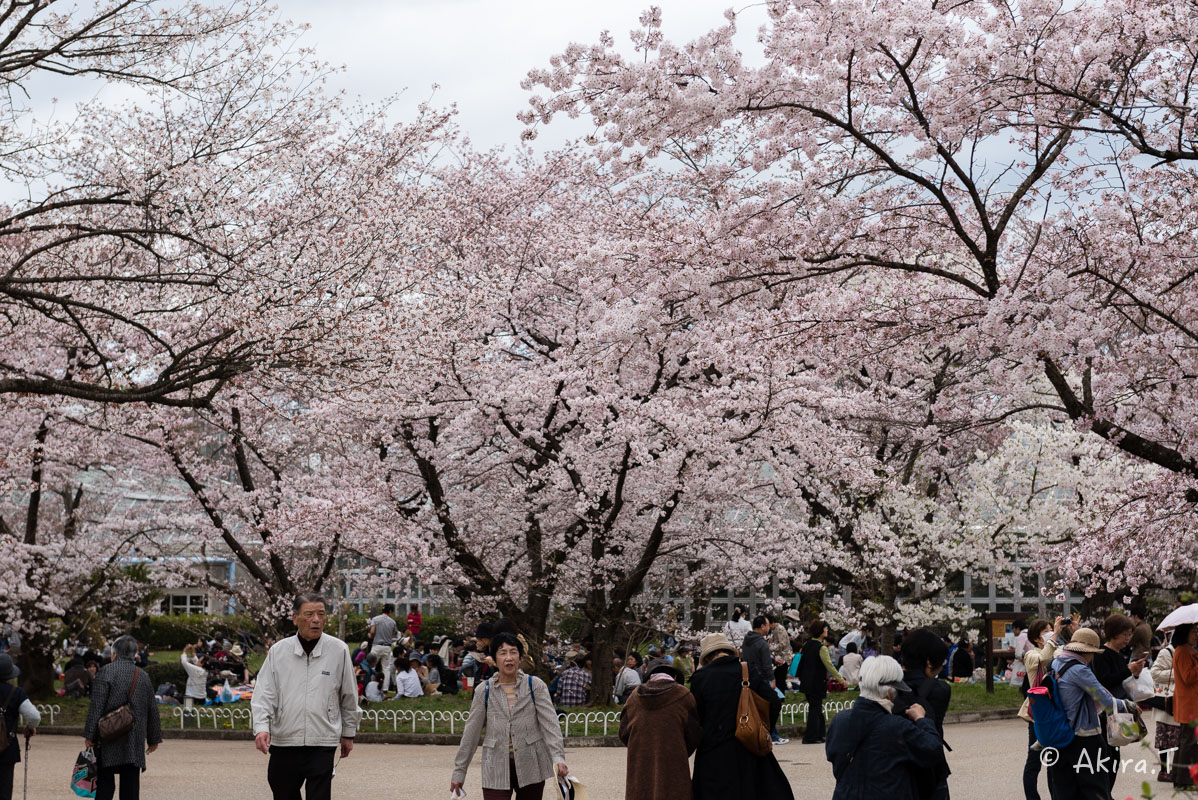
[(524, 739), (13, 705), (875, 751), (924, 653), (1037, 659), (1065, 714)]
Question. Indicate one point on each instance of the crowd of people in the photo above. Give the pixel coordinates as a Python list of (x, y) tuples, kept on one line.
[(678, 700)]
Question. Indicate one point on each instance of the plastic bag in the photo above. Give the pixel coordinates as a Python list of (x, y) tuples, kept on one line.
[(83, 774), (1139, 688), (226, 694)]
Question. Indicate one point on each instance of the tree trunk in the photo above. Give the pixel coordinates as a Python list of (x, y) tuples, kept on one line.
[(602, 652), (700, 604), (36, 662)]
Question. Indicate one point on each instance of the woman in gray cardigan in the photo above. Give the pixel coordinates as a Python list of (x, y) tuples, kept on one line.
[(523, 741)]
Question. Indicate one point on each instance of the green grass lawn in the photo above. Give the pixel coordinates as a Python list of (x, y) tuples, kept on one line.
[(966, 697)]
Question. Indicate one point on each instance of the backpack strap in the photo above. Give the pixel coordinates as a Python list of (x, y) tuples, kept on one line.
[(12, 734), (1065, 668)]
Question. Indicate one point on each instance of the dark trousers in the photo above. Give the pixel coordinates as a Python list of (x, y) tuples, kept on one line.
[(1185, 757), (533, 791), (1085, 783), (6, 771), (292, 767), (816, 729), (130, 775), (1031, 767)]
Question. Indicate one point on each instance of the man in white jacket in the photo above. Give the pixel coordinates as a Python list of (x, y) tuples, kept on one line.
[(305, 705)]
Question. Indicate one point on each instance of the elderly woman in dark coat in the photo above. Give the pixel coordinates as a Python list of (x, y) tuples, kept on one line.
[(115, 684), (723, 767), (874, 753), (660, 725)]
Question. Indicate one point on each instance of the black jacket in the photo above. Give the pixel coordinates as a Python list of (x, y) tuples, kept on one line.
[(10, 751), (110, 690), (756, 653), (962, 662), (931, 693), (724, 769), (1111, 670), (876, 754), (934, 695)]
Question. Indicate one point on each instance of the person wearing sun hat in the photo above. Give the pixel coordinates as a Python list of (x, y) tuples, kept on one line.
[(15, 704), (1078, 771), (723, 767)]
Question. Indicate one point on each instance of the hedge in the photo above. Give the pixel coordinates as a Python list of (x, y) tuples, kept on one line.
[(177, 631), (170, 672)]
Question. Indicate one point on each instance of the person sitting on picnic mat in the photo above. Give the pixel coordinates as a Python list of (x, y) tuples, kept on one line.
[(519, 718)]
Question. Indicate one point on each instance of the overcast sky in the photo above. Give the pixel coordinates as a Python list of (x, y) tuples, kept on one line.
[(478, 51)]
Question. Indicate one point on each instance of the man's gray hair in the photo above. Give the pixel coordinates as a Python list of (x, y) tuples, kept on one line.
[(875, 671), (309, 597), (125, 647)]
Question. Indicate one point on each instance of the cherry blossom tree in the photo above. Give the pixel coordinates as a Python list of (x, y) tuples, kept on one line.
[(74, 513), (1014, 182), (575, 428), (151, 258)]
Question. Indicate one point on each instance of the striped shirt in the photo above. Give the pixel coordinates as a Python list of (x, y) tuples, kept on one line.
[(509, 691)]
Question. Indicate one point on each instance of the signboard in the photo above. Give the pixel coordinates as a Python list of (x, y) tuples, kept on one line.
[(999, 634)]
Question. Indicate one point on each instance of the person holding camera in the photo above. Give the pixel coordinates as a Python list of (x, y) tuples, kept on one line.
[(1037, 659)]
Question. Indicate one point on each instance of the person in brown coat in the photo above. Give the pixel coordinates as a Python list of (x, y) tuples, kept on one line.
[(660, 724)]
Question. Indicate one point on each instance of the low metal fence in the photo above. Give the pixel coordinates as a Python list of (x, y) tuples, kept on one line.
[(395, 720), (50, 710)]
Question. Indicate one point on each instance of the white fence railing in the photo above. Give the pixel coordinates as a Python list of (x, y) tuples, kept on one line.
[(594, 723), (50, 710), (793, 711), (589, 718)]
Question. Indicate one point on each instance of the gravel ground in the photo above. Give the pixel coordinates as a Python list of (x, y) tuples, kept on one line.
[(987, 763)]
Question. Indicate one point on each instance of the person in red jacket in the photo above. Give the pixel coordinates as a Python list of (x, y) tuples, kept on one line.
[(414, 621)]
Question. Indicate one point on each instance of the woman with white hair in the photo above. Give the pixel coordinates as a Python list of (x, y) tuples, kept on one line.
[(875, 753), (122, 756)]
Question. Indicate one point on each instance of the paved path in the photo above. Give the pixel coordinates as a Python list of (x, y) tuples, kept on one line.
[(987, 762)]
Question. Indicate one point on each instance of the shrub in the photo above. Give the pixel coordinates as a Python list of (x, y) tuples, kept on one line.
[(171, 672), (438, 625), (178, 631)]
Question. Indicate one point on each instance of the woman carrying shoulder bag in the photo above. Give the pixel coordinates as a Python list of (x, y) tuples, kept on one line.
[(724, 768), (1167, 732), (1037, 659), (523, 741)]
